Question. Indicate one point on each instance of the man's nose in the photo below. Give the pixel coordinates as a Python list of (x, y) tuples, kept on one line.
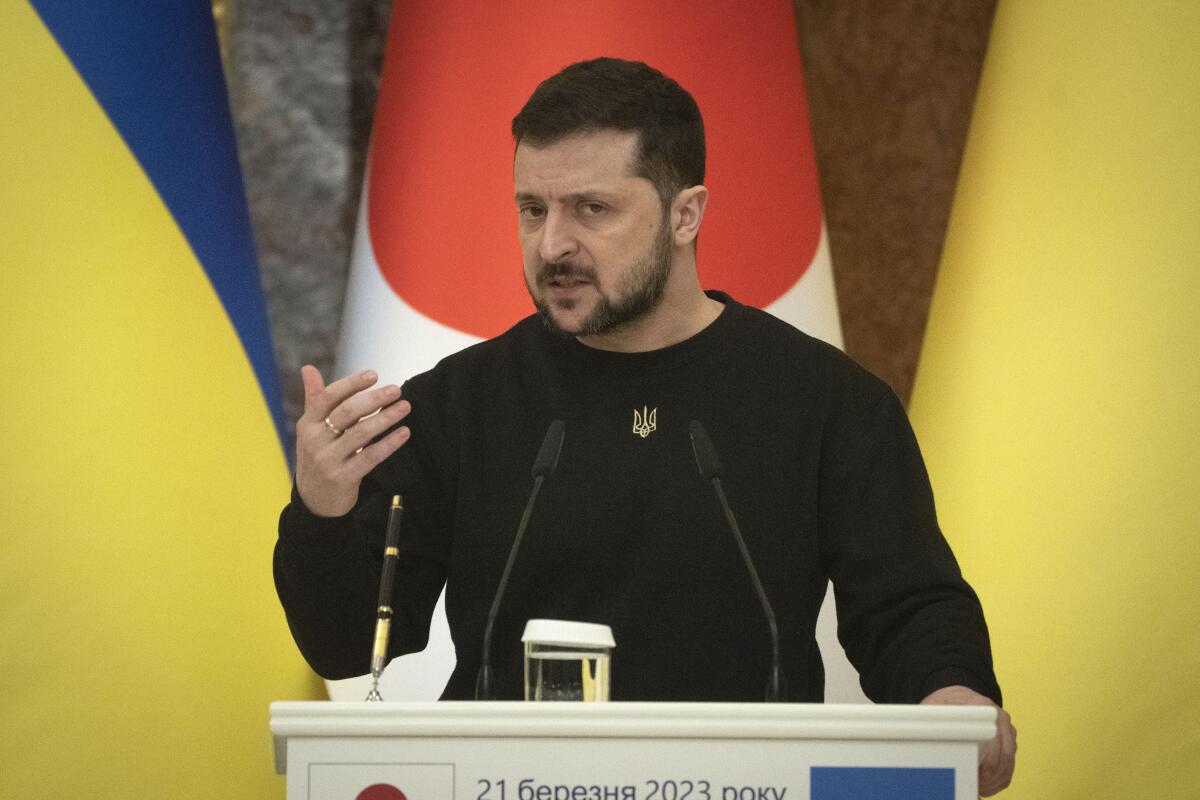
[(558, 238)]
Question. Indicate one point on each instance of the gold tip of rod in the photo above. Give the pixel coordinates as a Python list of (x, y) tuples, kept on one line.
[(396, 500)]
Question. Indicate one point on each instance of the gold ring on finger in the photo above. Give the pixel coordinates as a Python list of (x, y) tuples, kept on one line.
[(333, 427)]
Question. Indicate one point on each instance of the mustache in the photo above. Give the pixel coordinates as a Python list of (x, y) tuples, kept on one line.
[(549, 270)]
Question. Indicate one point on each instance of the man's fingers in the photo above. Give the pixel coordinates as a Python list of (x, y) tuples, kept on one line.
[(335, 436), (363, 407), (996, 770), (310, 376), (358, 436), (991, 783), (997, 756), (370, 456), (346, 450), (377, 452), (365, 430), (989, 772), (321, 404)]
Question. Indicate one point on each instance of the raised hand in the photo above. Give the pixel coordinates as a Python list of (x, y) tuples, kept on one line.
[(333, 437)]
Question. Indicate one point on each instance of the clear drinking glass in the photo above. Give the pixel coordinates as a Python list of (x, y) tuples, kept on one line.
[(567, 660)]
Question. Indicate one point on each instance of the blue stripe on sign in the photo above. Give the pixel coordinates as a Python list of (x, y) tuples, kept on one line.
[(155, 69), (881, 783)]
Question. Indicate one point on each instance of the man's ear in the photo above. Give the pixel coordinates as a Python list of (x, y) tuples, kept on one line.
[(687, 212)]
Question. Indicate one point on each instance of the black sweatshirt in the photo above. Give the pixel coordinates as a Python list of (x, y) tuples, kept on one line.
[(820, 466)]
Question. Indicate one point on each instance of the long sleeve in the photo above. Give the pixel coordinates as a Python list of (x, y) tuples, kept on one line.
[(327, 570), (820, 463), (908, 620)]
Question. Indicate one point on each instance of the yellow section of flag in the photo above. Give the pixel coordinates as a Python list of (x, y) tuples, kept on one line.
[(140, 476), (1058, 396)]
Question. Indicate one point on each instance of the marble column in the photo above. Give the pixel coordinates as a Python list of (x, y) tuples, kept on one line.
[(302, 81), (890, 87)]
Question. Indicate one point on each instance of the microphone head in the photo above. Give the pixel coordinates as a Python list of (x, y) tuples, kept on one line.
[(706, 454), (547, 457)]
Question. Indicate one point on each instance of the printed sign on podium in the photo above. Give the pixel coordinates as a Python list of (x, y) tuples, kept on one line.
[(628, 751)]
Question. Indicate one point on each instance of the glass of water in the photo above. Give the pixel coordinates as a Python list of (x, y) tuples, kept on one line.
[(567, 660)]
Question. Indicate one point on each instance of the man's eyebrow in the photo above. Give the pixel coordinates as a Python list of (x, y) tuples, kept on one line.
[(573, 197)]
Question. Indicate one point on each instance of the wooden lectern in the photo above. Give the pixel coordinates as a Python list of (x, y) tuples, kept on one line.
[(628, 751)]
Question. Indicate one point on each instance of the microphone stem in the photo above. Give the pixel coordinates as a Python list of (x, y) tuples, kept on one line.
[(774, 684), (483, 689)]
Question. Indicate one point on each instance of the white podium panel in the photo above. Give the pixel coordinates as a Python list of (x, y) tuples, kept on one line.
[(627, 751)]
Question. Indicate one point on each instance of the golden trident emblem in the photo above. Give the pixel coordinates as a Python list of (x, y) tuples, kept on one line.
[(645, 423)]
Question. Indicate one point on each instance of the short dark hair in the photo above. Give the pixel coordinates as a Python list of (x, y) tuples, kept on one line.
[(613, 94)]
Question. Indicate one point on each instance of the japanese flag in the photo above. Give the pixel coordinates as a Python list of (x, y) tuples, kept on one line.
[(436, 265)]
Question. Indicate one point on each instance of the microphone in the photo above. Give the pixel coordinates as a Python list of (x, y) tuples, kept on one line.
[(543, 466), (710, 470)]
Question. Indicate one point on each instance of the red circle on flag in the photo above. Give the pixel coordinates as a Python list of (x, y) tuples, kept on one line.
[(381, 791), (442, 220)]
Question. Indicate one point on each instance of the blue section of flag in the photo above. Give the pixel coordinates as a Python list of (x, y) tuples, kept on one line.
[(881, 783), (155, 69)]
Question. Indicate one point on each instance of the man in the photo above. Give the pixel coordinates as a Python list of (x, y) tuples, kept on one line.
[(627, 348)]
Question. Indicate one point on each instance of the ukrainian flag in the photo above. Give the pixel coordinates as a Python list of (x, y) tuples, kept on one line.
[(1057, 394), (141, 467)]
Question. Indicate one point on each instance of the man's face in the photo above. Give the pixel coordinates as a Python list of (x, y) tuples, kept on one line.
[(596, 246)]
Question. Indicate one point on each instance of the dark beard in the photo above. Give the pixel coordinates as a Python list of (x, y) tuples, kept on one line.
[(640, 293)]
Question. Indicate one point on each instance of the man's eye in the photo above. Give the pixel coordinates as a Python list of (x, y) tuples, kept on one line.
[(531, 212), (592, 209)]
